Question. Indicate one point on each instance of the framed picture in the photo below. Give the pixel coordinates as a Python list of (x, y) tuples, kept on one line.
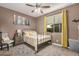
[(20, 20)]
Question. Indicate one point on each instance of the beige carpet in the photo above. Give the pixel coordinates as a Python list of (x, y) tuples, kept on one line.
[(24, 50)]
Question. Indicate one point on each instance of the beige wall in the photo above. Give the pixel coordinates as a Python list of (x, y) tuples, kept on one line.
[(73, 13), (39, 22), (6, 21)]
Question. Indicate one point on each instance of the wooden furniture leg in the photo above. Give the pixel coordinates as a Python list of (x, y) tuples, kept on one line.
[(1, 47), (7, 46), (36, 49)]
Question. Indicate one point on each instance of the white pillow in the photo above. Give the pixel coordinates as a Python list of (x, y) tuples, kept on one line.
[(5, 36)]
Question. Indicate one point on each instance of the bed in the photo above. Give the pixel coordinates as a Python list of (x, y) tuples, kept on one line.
[(34, 39)]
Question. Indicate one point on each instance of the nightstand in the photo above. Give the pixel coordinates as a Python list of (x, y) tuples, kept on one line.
[(18, 38)]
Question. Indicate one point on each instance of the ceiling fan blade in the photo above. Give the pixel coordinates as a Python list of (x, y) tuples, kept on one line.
[(45, 6), (41, 11), (30, 5), (38, 5), (32, 11)]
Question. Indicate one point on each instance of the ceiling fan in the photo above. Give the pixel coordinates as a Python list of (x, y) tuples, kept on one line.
[(38, 7)]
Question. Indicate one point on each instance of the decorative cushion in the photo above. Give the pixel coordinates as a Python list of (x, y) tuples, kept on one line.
[(30, 33), (5, 36), (8, 41), (26, 33)]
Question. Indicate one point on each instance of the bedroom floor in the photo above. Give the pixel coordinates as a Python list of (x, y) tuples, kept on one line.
[(50, 50)]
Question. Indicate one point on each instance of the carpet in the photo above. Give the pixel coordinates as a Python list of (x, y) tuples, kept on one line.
[(50, 50)]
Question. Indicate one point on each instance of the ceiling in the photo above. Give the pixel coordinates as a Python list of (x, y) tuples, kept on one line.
[(22, 8)]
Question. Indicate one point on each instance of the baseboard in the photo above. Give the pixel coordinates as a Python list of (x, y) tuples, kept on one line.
[(68, 47), (57, 44)]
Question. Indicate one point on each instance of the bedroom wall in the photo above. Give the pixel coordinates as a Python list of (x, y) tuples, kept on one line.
[(73, 13), (6, 21)]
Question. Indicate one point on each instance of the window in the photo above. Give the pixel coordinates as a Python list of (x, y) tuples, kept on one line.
[(57, 27), (54, 23), (50, 24), (50, 28)]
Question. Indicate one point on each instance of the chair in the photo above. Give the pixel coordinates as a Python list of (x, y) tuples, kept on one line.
[(3, 44), (5, 40)]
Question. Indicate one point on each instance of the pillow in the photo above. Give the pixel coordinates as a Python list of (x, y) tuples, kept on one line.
[(30, 33), (26, 33), (5, 36), (6, 39), (33, 33)]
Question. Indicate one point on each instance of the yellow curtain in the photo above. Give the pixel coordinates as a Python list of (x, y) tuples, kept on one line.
[(45, 28), (64, 39)]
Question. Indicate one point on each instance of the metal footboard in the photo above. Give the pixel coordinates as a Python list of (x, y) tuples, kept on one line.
[(35, 42)]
